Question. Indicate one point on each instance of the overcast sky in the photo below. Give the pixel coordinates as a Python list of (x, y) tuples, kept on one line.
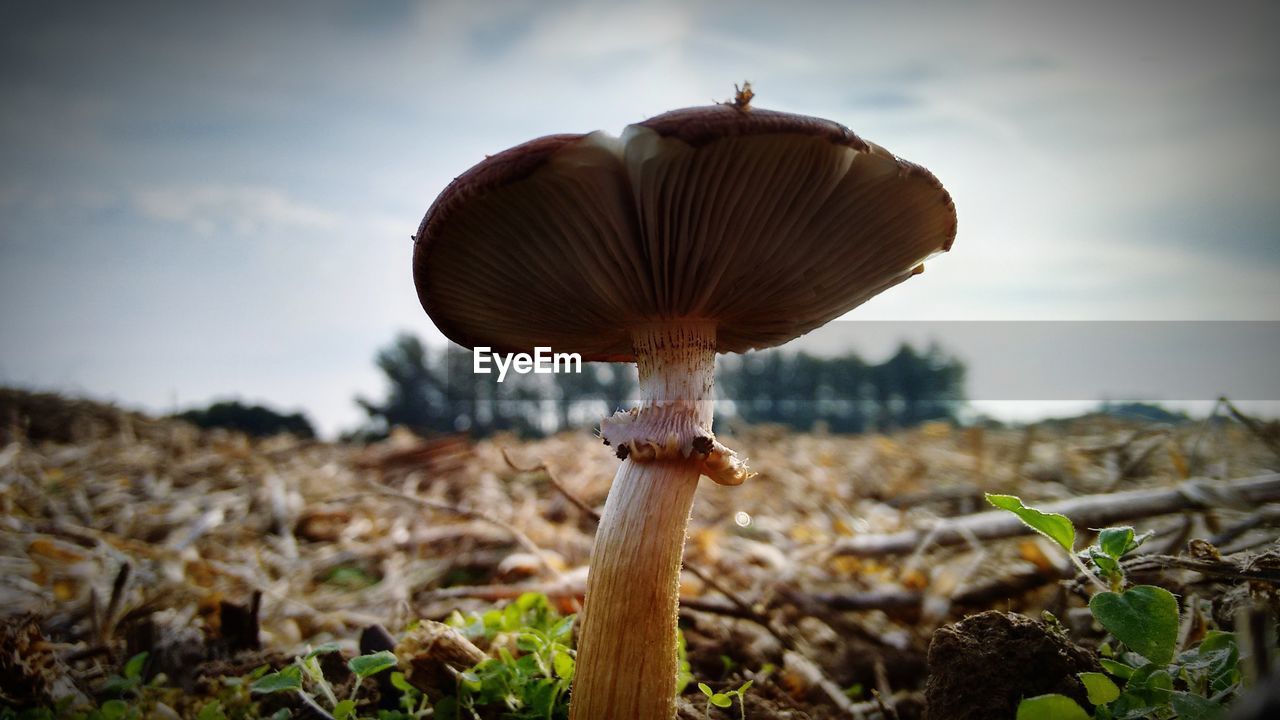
[(216, 200)]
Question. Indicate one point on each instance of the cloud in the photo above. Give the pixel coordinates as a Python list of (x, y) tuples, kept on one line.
[(1107, 160), (597, 32), (245, 211)]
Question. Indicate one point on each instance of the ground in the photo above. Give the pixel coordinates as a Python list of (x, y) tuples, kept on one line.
[(214, 552)]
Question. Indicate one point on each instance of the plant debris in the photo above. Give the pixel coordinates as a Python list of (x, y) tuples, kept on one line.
[(215, 553)]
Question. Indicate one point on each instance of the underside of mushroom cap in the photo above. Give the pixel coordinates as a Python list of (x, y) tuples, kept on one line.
[(765, 223)]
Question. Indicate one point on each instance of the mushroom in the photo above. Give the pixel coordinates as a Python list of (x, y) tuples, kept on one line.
[(709, 229)]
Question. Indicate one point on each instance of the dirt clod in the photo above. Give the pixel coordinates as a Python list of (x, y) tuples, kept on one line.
[(983, 665)]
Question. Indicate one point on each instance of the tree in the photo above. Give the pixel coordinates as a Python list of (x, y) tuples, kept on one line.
[(254, 420), (416, 393), (846, 394), (439, 392)]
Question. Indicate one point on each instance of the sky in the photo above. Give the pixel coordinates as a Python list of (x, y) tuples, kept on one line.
[(216, 200)]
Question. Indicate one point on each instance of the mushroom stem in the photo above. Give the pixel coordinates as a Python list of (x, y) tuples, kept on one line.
[(626, 663)]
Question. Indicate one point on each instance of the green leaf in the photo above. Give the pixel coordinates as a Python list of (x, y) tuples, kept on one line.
[(211, 711), (684, 675), (133, 668), (1107, 564), (1218, 640), (347, 577), (744, 687), (287, 679), (324, 649), (1132, 659), (706, 689), (1115, 541), (8, 713), (113, 710), (1160, 680), (116, 685), (541, 697), (1145, 618), (311, 666), (1100, 688), (492, 620), (345, 710), (1194, 707), (1136, 706), (528, 642), (446, 709), (563, 629), (1202, 658), (1148, 676), (399, 682), (1051, 707), (512, 618), (563, 664), (1116, 668), (1052, 525), (531, 601), (470, 680), (367, 665), (721, 700), (1225, 670)]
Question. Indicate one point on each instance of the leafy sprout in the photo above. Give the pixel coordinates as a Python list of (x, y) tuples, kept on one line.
[(1146, 676), (725, 699)]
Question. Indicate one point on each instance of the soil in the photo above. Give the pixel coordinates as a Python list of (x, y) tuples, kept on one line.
[(980, 667)]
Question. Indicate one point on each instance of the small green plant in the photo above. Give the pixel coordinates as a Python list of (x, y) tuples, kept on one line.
[(129, 681), (531, 682), (527, 677), (233, 699), (684, 673), (127, 696), (1154, 679), (306, 678), (725, 699)]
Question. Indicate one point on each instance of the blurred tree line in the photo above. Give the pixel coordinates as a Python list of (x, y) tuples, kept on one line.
[(252, 420), (436, 391), (844, 393)]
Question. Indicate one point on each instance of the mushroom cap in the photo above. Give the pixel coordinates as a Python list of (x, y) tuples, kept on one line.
[(767, 223)]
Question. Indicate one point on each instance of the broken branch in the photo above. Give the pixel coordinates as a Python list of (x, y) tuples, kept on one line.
[(1086, 511)]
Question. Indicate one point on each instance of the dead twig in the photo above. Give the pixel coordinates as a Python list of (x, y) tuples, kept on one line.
[(575, 589), (895, 600), (1271, 440), (521, 539), (887, 707), (1084, 511), (886, 711), (1258, 519), (118, 589), (812, 674), (542, 467), (492, 593), (1208, 567)]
